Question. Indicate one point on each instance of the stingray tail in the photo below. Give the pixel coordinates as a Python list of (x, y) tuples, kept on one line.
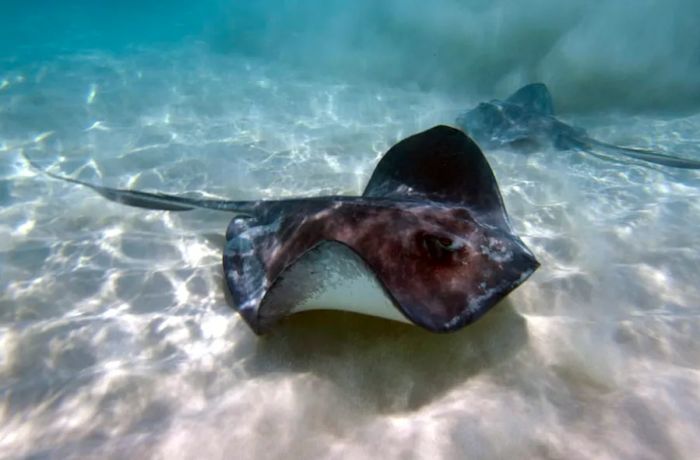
[(157, 201), (649, 155)]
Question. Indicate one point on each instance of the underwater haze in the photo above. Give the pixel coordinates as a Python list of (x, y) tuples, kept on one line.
[(117, 341)]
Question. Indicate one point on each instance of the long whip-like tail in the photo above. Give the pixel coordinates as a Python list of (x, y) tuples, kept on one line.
[(649, 155), (157, 201)]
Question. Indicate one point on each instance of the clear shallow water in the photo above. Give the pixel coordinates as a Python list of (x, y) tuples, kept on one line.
[(116, 338)]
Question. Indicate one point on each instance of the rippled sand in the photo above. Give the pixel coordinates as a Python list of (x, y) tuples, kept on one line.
[(116, 339)]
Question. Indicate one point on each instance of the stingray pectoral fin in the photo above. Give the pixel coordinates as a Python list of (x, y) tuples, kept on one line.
[(156, 201), (534, 97), (650, 156), (444, 165), (447, 296)]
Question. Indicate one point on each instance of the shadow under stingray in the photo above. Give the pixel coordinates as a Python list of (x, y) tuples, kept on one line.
[(390, 366)]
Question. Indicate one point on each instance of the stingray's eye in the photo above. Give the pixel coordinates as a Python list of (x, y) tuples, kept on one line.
[(440, 247)]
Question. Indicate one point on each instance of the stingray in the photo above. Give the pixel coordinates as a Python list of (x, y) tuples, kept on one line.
[(526, 121), (428, 242)]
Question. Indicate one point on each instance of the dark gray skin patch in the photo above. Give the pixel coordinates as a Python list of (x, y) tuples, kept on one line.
[(430, 226), (526, 122)]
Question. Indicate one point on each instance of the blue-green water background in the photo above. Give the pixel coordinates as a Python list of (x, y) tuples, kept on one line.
[(116, 339), (594, 55)]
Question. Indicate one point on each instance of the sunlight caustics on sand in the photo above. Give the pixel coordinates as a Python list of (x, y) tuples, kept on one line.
[(116, 339)]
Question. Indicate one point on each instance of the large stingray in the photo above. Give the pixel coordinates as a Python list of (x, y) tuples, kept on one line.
[(526, 121), (428, 242)]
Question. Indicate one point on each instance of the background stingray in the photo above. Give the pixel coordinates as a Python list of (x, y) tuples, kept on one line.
[(428, 241), (526, 120)]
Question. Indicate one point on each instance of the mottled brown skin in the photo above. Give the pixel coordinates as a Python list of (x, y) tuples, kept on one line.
[(440, 266), (430, 225)]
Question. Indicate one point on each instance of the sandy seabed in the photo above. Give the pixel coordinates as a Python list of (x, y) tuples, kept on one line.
[(116, 339)]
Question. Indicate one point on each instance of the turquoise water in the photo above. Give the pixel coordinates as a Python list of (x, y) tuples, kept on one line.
[(116, 339)]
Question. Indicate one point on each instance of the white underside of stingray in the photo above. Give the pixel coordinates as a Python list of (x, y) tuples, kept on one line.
[(343, 282)]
